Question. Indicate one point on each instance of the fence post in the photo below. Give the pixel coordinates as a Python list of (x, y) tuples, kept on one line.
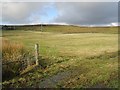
[(28, 62), (37, 54)]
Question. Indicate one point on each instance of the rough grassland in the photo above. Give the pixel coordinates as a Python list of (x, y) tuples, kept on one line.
[(70, 59)]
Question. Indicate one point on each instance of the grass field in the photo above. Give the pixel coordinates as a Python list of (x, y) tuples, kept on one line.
[(73, 57)]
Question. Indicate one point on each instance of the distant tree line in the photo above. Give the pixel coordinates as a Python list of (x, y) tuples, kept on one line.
[(5, 27)]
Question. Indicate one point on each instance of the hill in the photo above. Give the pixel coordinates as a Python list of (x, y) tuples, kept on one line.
[(62, 28)]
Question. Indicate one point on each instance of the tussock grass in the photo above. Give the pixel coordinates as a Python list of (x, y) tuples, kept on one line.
[(88, 57), (14, 58), (80, 73), (11, 51)]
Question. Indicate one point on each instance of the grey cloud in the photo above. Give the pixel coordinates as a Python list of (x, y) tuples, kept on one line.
[(60, 1), (22, 12), (87, 13), (82, 13)]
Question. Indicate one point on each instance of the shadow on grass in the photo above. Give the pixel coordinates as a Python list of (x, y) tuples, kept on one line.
[(11, 70)]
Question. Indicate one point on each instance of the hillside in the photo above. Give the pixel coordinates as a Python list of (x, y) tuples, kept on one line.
[(63, 28), (70, 57)]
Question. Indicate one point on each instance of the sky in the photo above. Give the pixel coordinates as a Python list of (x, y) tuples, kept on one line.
[(92, 13)]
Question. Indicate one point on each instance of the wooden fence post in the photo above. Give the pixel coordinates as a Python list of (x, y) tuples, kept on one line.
[(37, 54), (28, 62)]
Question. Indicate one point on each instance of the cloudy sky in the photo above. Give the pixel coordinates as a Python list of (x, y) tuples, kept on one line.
[(77, 13)]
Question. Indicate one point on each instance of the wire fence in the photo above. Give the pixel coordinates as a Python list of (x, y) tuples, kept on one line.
[(23, 61)]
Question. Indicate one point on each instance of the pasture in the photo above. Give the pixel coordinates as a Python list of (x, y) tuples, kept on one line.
[(72, 57)]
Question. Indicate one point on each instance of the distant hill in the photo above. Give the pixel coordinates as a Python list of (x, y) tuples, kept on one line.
[(62, 28)]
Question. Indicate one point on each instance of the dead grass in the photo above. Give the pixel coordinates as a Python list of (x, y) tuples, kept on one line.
[(14, 58), (11, 51), (88, 53)]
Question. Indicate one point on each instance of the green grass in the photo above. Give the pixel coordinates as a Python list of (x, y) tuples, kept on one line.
[(76, 29), (70, 29), (87, 59)]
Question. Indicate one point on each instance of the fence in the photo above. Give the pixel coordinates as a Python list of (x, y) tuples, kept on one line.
[(25, 62)]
